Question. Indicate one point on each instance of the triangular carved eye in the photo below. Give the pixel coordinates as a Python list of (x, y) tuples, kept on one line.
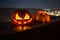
[(17, 17), (26, 16)]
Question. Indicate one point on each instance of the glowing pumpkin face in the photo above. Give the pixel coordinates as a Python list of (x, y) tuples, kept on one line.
[(21, 17), (42, 16)]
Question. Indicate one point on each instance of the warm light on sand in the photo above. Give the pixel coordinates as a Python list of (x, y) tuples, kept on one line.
[(21, 28)]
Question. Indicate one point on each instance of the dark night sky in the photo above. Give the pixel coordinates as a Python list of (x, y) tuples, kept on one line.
[(30, 3)]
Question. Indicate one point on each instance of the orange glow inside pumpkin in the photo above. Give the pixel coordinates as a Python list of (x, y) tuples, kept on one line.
[(17, 17), (26, 16), (19, 20)]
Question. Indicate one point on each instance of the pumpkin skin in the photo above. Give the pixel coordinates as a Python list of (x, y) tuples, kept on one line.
[(41, 16), (21, 14)]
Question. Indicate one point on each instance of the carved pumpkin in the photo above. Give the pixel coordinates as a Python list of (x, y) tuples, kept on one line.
[(21, 17), (41, 16)]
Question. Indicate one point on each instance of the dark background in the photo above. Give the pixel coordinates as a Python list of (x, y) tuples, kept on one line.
[(53, 4)]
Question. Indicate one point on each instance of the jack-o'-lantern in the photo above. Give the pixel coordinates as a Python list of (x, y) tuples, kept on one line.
[(21, 17), (41, 16)]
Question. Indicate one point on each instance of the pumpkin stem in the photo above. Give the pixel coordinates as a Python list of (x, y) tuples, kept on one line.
[(41, 14)]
